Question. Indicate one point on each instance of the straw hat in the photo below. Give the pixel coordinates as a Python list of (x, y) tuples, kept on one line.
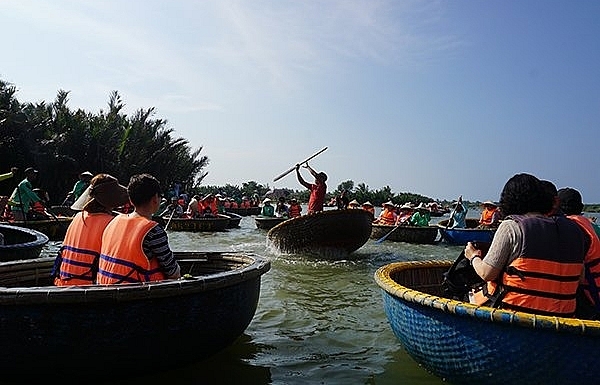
[(353, 202), (406, 206), (86, 174), (489, 203), (267, 200), (389, 203), (421, 206), (367, 203), (107, 191)]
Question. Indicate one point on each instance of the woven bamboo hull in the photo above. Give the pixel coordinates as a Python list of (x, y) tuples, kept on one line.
[(409, 234), (266, 223), (466, 344), (55, 229), (125, 327), (332, 233), (462, 236), (245, 212), (198, 224), (21, 243)]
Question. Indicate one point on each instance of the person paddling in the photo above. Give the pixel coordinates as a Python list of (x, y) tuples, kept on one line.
[(317, 189)]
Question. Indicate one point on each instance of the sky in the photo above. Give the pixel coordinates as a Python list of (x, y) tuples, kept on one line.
[(439, 98)]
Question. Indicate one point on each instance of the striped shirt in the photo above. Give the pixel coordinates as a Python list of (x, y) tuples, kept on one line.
[(156, 245)]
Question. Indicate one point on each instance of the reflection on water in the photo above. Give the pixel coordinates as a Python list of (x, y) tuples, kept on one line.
[(317, 321)]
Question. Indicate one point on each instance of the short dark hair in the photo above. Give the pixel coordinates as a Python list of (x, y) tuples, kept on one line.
[(570, 201), (142, 187), (524, 193)]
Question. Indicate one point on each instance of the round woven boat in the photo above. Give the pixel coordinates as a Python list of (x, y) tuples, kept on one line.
[(198, 224), (20, 243), (67, 331), (55, 228), (409, 234), (329, 233), (267, 223), (469, 344)]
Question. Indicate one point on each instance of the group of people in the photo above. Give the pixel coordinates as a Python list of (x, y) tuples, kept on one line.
[(545, 255), (403, 215), (281, 209), (490, 216), (101, 248)]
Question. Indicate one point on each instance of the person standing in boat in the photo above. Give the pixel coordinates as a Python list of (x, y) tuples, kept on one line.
[(77, 259), (134, 247), (317, 189), (82, 183), (535, 261), (23, 196), (459, 215)]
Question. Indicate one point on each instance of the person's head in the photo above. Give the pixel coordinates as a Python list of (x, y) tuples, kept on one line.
[(102, 195), (570, 201), (143, 188), (267, 202), (523, 193), (321, 177), (86, 176), (552, 195), (31, 173)]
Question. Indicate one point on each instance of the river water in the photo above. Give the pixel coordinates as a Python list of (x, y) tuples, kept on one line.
[(317, 321)]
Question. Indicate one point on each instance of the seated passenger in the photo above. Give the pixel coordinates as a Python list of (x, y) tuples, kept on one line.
[(490, 216), (388, 215), (267, 210), (421, 216), (295, 210), (406, 211), (134, 247)]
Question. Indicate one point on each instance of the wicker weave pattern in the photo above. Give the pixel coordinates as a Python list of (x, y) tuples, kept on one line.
[(332, 233), (129, 326), (467, 344)]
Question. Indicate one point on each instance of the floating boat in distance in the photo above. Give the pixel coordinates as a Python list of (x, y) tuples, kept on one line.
[(408, 234), (245, 211), (468, 344), (331, 234), (54, 228), (218, 223), (266, 223), (130, 328), (20, 243), (234, 220), (460, 236)]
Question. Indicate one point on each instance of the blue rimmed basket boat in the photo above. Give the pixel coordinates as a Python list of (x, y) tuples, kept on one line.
[(471, 233), (467, 344), (331, 234), (20, 243), (69, 332), (408, 234)]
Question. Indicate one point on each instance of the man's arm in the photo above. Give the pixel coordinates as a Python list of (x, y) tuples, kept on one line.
[(300, 179)]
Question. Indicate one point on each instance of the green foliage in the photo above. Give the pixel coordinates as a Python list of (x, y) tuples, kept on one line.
[(61, 143)]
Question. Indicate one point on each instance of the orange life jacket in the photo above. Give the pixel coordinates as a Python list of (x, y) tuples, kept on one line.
[(591, 265), (38, 207), (545, 277), (387, 217), (487, 216), (80, 249), (294, 210), (122, 257)]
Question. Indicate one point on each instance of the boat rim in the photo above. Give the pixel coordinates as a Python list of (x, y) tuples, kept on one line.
[(383, 278)]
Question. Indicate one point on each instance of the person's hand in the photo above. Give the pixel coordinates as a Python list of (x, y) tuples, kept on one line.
[(471, 251), (297, 166)]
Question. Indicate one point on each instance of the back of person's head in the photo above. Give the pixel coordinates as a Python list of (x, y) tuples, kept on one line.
[(551, 193), (571, 202), (142, 188), (322, 176), (524, 193)]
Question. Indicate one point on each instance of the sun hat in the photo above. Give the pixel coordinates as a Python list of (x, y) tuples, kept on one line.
[(106, 191), (389, 203), (489, 203), (367, 203), (267, 200), (422, 206), (406, 206), (86, 173), (31, 170), (353, 202)]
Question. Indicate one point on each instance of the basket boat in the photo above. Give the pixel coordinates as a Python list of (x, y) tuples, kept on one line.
[(409, 234), (20, 243), (55, 228), (219, 223), (468, 344), (331, 233), (266, 223), (255, 210), (62, 211), (66, 331), (469, 234)]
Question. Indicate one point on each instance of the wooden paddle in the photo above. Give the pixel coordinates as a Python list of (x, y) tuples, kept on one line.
[(169, 221), (387, 235), (458, 201), (293, 168)]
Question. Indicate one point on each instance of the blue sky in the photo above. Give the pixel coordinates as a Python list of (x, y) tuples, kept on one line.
[(440, 98)]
